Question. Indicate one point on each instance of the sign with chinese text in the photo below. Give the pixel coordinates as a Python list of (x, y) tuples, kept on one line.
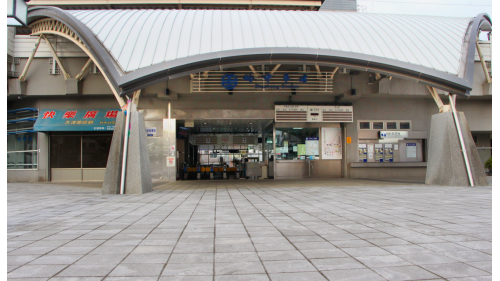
[(76, 120), (276, 81), (393, 134), (170, 161)]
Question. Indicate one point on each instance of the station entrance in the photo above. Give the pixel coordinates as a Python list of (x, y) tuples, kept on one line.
[(220, 149), (225, 149)]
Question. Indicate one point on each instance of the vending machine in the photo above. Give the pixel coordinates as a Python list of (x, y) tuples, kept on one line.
[(388, 152), (379, 152), (362, 152)]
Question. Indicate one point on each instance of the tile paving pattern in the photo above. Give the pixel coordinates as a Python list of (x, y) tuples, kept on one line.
[(251, 230)]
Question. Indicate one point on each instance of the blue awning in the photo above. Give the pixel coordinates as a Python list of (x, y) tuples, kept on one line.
[(76, 120)]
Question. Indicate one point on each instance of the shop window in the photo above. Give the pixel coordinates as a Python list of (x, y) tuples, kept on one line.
[(65, 151), (392, 125), (22, 151), (74, 150), (378, 125), (364, 125), (297, 143), (95, 150), (404, 125), (22, 141)]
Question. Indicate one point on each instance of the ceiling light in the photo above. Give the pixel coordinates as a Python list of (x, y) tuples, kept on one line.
[(297, 128)]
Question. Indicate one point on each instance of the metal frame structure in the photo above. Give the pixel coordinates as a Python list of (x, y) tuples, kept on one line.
[(126, 83)]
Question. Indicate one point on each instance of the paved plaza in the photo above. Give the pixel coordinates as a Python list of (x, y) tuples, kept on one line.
[(251, 230)]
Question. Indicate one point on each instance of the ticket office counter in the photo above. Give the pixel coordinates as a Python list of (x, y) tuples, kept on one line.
[(308, 150)]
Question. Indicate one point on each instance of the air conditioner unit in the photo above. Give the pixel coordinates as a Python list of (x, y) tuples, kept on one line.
[(344, 71)]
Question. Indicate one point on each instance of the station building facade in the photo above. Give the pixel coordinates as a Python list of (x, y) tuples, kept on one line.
[(293, 94)]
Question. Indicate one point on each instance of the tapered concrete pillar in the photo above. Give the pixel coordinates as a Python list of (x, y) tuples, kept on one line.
[(138, 172), (111, 184), (138, 176), (446, 165)]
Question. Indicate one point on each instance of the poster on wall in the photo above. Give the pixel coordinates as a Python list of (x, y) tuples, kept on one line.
[(331, 143), (312, 146), (411, 150), (301, 149)]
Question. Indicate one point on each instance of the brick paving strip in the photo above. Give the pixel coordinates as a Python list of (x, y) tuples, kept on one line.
[(251, 230)]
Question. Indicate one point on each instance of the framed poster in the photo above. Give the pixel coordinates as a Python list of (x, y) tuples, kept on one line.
[(331, 143)]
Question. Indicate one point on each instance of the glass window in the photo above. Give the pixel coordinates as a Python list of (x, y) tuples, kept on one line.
[(95, 150), (378, 125), (22, 151), (296, 143), (364, 125), (392, 125), (404, 125), (65, 151)]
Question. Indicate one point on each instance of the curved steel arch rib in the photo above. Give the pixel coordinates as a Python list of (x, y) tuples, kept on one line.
[(129, 82)]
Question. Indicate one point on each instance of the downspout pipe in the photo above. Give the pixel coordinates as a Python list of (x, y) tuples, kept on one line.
[(461, 138), (125, 147)]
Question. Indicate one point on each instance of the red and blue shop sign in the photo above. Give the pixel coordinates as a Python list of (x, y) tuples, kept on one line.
[(76, 120)]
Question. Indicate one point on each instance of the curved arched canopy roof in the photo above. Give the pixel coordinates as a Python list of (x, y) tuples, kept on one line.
[(147, 46)]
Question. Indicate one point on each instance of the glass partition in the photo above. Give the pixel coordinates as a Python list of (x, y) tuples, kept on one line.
[(297, 143)]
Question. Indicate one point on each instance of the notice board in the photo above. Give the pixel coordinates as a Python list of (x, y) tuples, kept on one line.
[(331, 143)]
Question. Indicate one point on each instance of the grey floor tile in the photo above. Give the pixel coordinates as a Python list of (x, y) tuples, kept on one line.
[(86, 270), (188, 269), (288, 266), (28, 271), (137, 270), (101, 259), (366, 251), (405, 249), (353, 275), (468, 256), (146, 258), (483, 265), (297, 276), (336, 263), (427, 258), (253, 277), (280, 255), (55, 259), (401, 273), (449, 270), (239, 268), (240, 257), (324, 253), (383, 261), (20, 260)]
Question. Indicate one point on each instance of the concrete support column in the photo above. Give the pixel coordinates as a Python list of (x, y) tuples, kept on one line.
[(446, 165), (111, 184), (138, 173), (169, 150), (138, 176)]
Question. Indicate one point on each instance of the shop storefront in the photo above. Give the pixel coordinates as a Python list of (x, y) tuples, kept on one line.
[(79, 142)]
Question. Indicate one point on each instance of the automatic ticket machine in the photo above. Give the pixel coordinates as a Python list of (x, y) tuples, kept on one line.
[(379, 152), (362, 152), (388, 152)]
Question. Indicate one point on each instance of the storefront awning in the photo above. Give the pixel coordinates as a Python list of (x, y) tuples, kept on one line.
[(76, 120)]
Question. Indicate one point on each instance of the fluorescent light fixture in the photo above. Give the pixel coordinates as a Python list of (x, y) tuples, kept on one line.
[(17, 13), (297, 128)]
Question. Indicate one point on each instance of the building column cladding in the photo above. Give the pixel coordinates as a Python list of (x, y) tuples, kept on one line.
[(169, 149), (112, 177), (446, 165), (138, 172)]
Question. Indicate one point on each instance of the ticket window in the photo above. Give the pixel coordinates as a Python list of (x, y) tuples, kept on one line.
[(388, 152), (362, 150), (379, 152)]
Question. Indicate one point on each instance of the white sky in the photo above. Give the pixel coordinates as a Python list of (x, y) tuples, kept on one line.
[(446, 8)]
